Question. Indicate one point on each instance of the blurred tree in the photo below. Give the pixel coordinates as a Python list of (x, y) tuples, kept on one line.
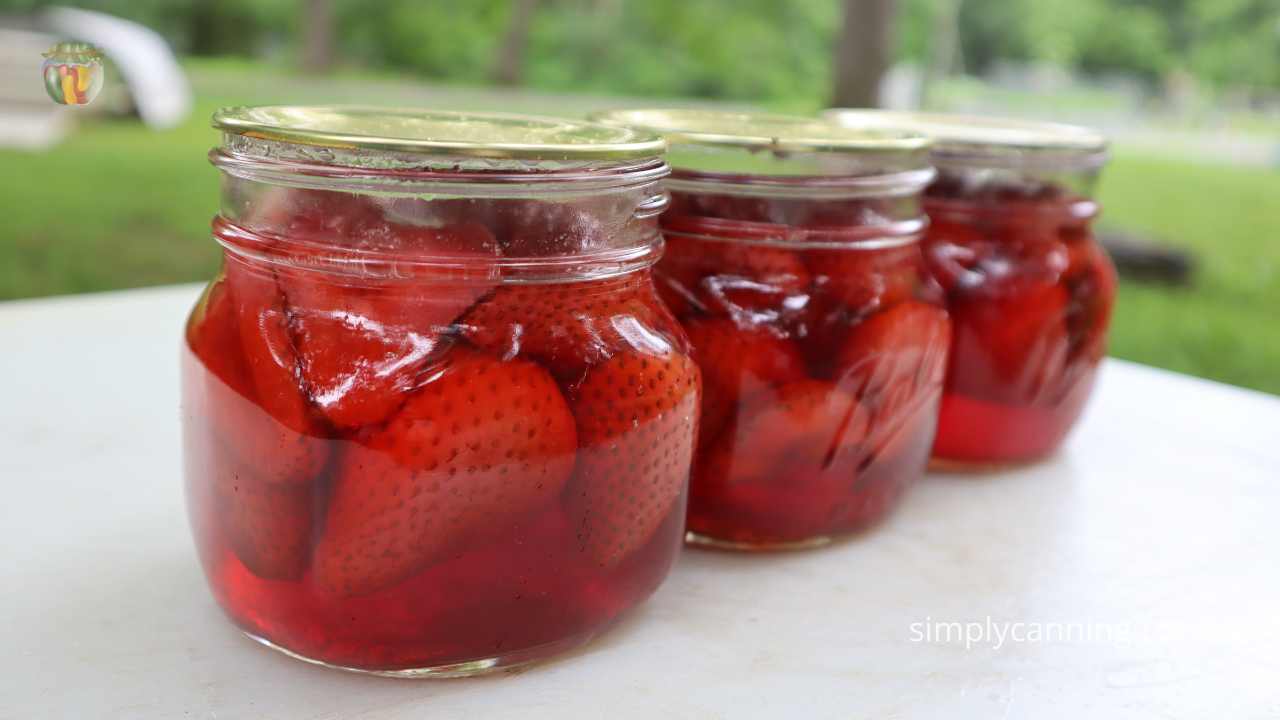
[(756, 50), (1235, 43), (941, 57), (454, 41), (204, 19), (730, 49), (1128, 38), (317, 35), (863, 52), (509, 70), (991, 30)]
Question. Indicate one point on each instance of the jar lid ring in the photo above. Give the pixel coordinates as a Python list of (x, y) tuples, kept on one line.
[(489, 135)]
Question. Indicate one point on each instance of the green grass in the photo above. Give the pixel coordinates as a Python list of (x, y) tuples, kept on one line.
[(1224, 327), (118, 206), (967, 92), (114, 206)]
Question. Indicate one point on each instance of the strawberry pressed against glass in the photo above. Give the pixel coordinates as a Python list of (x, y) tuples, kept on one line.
[(793, 262), (437, 419), (1029, 289)]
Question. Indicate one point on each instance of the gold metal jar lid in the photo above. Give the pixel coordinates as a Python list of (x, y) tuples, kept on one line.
[(975, 137), (770, 154), (440, 133), (763, 131)]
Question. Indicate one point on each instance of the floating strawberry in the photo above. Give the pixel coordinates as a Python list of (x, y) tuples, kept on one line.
[(1083, 250), (907, 342), (1011, 348), (862, 280), (569, 327), (804, 433), (1091, 280), (735, 363), (274, 431), (482, 444), (896, 361), (676, 286), (360, 337), (361, 343), (268, 349), (752, 282), (637, 416), (213, 334), (993, 261), (268, 525), (951, 254)]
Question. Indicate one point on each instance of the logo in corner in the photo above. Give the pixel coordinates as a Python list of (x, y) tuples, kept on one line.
[(73, 73)]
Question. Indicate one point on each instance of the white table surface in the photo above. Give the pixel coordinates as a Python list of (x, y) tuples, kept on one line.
[(1155, 532)]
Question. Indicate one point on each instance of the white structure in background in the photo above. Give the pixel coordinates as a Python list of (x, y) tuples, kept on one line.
[(142, 67), (146, 64), (28, 118)]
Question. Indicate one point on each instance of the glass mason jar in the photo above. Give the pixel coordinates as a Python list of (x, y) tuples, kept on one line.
[(437, 419), (793, 261), (1029, 288)]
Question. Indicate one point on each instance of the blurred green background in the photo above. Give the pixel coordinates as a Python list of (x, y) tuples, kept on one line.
[(1188, 89)]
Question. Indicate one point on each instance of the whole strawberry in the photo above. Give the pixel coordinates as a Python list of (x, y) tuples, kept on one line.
[(263, 420), (483, 443), (637, 417), (859, 281), (361, 342), (896, 361), (794, 458), (750, 283), (268, 525), (1011, 349), (568, 327), (213, 334), (1091, 280), (786, 438), (736, 362)]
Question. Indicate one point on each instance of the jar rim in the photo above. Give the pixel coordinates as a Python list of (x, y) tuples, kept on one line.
[(422, 132), (979, 140)]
